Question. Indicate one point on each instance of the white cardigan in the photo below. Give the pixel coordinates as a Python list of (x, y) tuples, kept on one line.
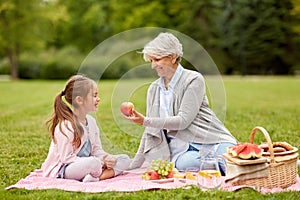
[(192, 119)]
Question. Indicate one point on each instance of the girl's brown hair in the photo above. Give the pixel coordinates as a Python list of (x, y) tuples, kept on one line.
[(77, 85)]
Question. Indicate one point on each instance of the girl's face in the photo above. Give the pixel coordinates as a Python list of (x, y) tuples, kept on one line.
[(91, 101)]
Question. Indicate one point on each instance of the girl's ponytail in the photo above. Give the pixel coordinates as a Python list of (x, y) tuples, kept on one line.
[(63, 109), (61, 113)]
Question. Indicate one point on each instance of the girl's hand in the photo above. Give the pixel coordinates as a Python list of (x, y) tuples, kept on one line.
[(137, 117), (109, 161)]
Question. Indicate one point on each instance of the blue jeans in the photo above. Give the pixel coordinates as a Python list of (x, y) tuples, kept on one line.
[(191, 158)]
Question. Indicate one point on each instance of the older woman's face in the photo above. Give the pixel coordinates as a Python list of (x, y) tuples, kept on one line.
[(164, 66)]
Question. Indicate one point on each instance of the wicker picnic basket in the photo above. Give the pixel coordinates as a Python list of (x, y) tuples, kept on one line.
[(282, 170)]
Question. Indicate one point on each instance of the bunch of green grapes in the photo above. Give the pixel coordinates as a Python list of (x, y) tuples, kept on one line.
[(162, 167)]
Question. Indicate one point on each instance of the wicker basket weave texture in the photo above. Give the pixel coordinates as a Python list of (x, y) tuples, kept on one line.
[(281, 172)]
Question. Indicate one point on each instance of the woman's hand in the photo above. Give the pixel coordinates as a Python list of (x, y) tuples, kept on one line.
[(136, 118)]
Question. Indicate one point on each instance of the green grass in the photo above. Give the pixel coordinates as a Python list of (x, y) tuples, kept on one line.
[(271, 102)]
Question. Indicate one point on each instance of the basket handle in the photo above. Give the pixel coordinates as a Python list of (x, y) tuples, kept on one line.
[(267, 136)]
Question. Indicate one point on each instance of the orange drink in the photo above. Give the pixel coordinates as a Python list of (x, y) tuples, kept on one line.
[(191, 175), (209, 179)]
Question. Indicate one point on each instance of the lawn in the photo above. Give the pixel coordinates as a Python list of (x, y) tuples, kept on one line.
[(271, 102)]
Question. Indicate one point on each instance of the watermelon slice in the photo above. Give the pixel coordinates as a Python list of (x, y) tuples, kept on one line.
[(245, 151), (235, 150), (251, 151)]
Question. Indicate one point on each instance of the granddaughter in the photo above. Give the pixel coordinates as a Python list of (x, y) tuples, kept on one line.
[(76, 151)]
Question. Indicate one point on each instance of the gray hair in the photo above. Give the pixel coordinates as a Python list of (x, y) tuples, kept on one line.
[(164, 44)]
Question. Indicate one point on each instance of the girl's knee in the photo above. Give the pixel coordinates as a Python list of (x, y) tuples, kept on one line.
[(95, 166), (95, 163)]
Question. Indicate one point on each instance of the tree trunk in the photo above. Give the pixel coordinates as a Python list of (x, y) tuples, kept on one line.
[(14, 64)]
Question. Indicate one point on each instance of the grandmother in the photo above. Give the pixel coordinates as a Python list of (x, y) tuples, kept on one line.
[(179, 124)]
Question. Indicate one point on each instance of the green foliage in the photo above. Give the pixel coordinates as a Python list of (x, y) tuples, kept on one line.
[(4, 67), (18, 22), (256, 34), (53, 64), (23, 27), (86, 24), (30, 67), (25, 105), (244, 37), (295, 12), (61, 64)]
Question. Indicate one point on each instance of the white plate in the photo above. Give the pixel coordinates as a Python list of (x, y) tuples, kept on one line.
[(167, 180), (281, 153)]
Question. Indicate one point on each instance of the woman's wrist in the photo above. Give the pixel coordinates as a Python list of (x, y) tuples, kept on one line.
[(146, 121)]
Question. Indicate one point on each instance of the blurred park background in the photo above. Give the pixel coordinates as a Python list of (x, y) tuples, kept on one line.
[(49, 39)]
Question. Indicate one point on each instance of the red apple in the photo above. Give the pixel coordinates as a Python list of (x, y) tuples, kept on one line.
[(126, 108), (153, 175), (170, 174)]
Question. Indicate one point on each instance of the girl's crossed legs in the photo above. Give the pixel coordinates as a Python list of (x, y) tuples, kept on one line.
[(90, 169)]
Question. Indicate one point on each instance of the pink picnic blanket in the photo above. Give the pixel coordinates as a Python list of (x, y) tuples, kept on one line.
[(129, 181)]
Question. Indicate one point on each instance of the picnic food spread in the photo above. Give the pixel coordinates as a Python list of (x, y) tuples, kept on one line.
[(159, 169), (268, 165)]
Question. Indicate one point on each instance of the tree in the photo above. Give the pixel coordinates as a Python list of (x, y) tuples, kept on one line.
[(86, 24), (24, 26), (295, 12), (257, 35), (243, 36)]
